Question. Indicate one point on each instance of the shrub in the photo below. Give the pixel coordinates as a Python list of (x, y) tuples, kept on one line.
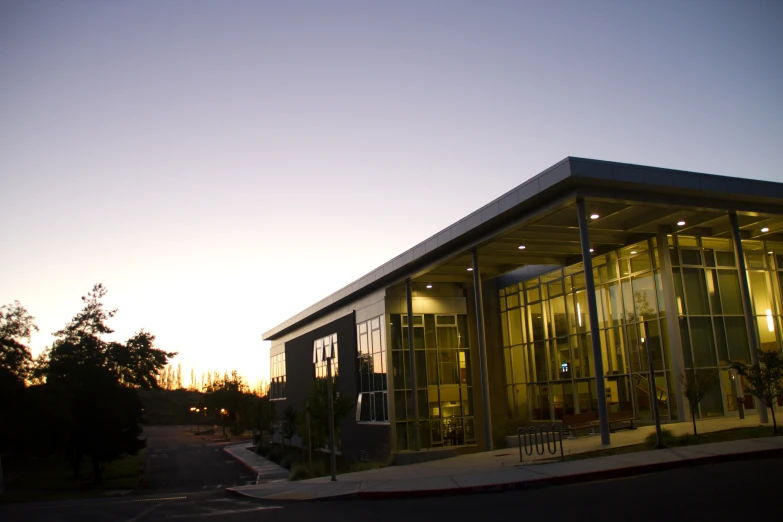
[(667, 437), (290, 460), (300, 471), (275, 454), (685, 439), (263, 448), (499, 437)]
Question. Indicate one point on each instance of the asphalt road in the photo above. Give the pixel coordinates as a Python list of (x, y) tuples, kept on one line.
[(178, 461), (721, 492)]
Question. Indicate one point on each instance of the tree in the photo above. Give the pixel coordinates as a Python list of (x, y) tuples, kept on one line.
[(764, 379), (695, 385), (16, 329), (138, 362), (98, 381), (228, 394), (319, 416)]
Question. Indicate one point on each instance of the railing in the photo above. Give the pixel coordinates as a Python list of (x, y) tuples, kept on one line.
[(542, 439)]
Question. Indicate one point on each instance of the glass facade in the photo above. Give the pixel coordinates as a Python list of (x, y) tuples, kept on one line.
[(372, 403), (323, 349), (549, 363), (443, 380), (277, 376)]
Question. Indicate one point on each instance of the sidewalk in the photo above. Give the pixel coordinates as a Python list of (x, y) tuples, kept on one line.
[(265, 470), (501, 470)]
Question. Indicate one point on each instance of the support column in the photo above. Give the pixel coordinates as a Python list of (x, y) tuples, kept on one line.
[(672, 324), (592, 307), (482, 349), (412, 365), (746, 305)]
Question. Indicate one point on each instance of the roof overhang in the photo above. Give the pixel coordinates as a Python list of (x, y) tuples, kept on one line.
[(632, 201)]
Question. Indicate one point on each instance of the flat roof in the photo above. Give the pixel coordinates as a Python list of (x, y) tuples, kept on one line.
[(589, 178)]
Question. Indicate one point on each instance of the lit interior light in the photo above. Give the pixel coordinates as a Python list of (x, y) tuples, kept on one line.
[(429, 286), (681, 223), (522, 247), (633, 251), (594, 216), (592, 250), (770, 252), (642, 339), (770, 321), (470, 269), (765, 230), (579, 313)]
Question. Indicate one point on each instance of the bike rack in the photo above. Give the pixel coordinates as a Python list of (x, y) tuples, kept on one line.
[(542, 439)]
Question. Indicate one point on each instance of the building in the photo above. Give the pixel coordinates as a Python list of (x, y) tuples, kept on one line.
[(503, 326)]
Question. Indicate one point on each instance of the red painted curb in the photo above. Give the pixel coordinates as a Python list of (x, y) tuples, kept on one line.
[(574, 479)]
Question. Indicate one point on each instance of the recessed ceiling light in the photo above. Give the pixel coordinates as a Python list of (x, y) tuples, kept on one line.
[(594, 216), (522, 247), (429, 286), (470, 269), (765, 230), (681, 223), (591, 250), (633, 251), (770, 252)]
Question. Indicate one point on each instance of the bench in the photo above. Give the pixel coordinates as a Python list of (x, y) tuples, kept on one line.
[(576, 422), (622, 416)]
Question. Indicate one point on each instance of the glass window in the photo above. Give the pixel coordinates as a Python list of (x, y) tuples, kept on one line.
[(759, 292), (720, 341), (640, 263), (536, 319), (703, 342), (755, 260), (277, 376), (515, 331), (737, 338), (559, 323), (645, 300), (728, 283), (695, 291), (690, 257), (725, 258), (712, 290)]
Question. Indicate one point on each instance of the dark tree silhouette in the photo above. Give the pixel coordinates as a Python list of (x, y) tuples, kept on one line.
[(764, 380), (97, 379), (16, 328)]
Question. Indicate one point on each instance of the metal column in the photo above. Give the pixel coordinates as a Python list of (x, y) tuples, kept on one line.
[(412, 364), (482, 349), (746, 305), (592, 307), (672, 322)]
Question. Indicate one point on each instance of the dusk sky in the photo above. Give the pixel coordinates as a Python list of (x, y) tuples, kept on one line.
[(220, 166)]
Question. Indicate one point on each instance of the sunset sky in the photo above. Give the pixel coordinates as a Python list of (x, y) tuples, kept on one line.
[(222, 165)]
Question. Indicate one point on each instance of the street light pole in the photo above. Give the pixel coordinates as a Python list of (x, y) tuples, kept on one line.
[(653, 389), (332, 463)]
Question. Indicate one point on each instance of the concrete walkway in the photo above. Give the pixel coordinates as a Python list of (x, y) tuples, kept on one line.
[(266, 471), (502, 470)]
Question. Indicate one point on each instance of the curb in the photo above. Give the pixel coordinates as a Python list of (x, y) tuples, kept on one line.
[(572, 479)]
